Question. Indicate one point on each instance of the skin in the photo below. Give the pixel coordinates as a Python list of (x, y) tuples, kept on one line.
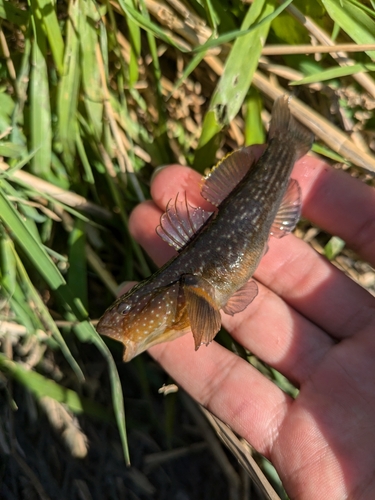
[(310, 322)]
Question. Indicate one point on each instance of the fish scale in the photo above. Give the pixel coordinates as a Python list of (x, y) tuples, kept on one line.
[(218, 251)]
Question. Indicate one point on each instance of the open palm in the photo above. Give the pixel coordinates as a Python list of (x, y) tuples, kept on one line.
[(310, 322)]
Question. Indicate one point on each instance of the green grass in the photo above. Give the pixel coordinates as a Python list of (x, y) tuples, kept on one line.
[(93, 97)]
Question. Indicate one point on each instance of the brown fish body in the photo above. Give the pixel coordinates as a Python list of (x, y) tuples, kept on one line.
[(230, 248), (212, 269)]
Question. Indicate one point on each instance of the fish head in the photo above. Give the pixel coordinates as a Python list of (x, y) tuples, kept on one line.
[(143, 317)]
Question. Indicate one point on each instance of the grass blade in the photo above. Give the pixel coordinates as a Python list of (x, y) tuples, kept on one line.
[(334, 247), (332, 73), (72, 305), (90, 73), (77, 262), (234, 35), (41, 386), (353, 20), (40, 110), (135, 46), (234, 82), (254, 130), (67, 100), (47, 12), (13, 14), (148, 25)]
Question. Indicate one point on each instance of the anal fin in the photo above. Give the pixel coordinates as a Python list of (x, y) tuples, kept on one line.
[(204, 316), (289, 212), (242, 298)]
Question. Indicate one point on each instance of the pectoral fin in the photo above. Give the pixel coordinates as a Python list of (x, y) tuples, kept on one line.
[(204, 316), (289, 211), (242, 298)]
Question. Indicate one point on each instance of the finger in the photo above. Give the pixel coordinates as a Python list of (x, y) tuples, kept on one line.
[(142, 223), (343, 206), (315, 288), (280, 336), (125, 286), (281, 339), (175, 178), (307, 434), (229, 387), (339, 204)]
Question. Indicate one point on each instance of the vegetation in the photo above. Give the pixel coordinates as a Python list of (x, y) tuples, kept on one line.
[(93, 97)]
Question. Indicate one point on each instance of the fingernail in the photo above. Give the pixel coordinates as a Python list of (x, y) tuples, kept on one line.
[(124, 287), (156, 172)]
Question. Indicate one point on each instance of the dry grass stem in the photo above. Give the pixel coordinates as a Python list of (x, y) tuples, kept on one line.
[(282, 50), (337, 140), (241, 450), (341, 57), (121, 153), (98, 266), (8, 59), (68, 198), (217, 451), (322, 128)]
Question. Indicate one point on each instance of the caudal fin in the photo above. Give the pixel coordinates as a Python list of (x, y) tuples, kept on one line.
[(285, 127)]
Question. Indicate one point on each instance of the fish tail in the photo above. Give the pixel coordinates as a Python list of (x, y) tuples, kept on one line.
[(284, 127)]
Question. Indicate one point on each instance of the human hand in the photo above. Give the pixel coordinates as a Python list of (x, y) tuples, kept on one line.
[(310, 322)]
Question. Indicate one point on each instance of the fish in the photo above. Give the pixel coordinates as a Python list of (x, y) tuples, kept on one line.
[(218, 250)]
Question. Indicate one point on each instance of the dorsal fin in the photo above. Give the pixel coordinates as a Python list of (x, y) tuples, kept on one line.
[(289, 211), (225, 176), (180, 222)]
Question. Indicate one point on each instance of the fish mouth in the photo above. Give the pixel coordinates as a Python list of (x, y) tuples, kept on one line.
[(110, 326), (101, 327), (106, 327), (131, 350)]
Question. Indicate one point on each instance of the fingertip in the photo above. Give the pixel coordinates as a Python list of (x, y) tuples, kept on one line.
[(142, 224), (140, 216), (160, 170), (124, 287), (167, 175), (174, 179)]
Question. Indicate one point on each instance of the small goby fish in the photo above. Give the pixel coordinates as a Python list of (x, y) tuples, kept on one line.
[(218, 251)]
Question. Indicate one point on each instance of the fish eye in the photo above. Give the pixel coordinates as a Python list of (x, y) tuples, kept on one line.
[(123, 308)]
